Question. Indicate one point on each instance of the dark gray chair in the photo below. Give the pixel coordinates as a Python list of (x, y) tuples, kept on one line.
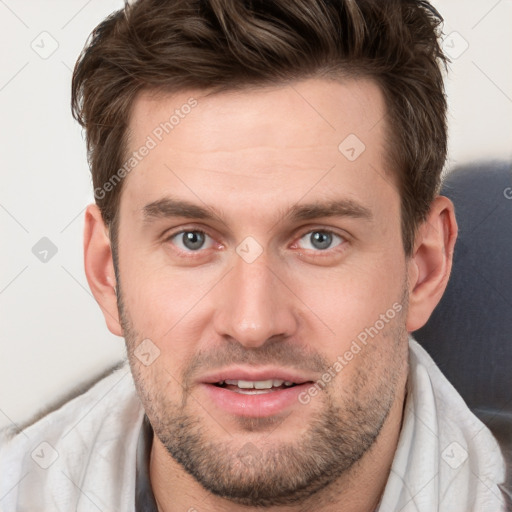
[(469, 334)]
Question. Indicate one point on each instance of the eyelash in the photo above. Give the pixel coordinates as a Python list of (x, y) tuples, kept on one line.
[(318, 253)]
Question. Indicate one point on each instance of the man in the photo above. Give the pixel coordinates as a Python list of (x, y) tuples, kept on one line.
[(266, 234)]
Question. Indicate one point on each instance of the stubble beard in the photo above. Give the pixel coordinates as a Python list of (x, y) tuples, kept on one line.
[(283, 473)]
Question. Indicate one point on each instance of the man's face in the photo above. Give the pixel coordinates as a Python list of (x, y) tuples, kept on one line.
[(259, 240)]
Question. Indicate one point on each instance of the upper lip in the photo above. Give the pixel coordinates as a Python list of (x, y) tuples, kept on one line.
[(254, 374)]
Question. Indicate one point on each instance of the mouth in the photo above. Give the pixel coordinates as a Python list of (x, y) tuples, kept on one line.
[(255, 394)]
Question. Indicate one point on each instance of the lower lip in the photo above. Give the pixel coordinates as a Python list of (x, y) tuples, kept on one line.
[(257, 405)]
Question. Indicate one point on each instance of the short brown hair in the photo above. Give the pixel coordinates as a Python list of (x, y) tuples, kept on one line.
[(217, 45)]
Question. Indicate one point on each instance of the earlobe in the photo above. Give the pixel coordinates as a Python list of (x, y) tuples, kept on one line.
[(99, 267), (431, 263)]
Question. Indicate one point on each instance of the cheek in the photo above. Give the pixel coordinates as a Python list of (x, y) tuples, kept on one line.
[(352, 297), (160, 298), (174, 311), (372, 364)]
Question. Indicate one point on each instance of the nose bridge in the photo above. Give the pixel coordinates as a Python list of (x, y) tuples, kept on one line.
[(253, 307)]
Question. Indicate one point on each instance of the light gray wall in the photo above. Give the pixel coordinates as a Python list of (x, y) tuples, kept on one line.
[(52, 333)]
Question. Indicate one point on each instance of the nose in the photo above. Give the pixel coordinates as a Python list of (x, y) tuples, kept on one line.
[(254, 304)]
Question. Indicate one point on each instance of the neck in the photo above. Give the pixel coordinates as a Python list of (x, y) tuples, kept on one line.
[(358, 490)]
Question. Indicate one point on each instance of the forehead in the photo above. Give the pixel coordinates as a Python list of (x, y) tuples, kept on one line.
[(313, 137)]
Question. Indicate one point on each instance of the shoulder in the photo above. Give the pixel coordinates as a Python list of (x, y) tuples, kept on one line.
[(56, 452), (469, 452)]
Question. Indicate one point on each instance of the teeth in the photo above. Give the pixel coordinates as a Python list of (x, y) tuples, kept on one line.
[(262, 384), (258, 384)]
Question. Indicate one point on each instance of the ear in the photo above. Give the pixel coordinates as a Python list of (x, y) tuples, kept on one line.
[(431, 263), (99, 267)]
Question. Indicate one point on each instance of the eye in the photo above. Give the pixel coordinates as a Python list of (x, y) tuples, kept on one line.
[(320, 240), (191, 240)]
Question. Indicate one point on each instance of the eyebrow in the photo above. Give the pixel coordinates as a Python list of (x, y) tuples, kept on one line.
[(168, 208), (336, 208)]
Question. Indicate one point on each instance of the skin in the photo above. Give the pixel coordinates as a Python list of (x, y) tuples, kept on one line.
[(250, 156)]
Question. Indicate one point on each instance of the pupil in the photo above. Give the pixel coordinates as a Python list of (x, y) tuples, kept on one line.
[(321, 240), (193, 239)]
